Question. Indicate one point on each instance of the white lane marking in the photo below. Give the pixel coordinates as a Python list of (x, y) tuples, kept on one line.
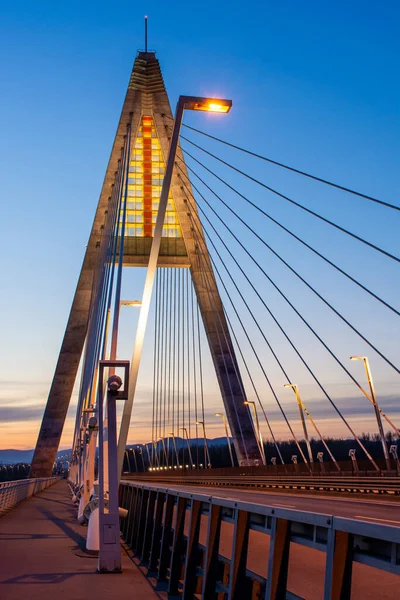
[(375, 519)]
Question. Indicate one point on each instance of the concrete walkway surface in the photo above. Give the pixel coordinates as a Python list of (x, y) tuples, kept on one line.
[(42, 555)]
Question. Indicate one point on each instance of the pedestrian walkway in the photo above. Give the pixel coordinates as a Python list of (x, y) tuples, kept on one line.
[(42, 550)]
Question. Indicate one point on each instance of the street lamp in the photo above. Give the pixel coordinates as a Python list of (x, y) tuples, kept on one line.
[(206, 452), (161, 439), (141, 454), (303, 422), (227, 436), (376, 408), (188, 445), (130, 303), (171, 435), (260, 440), (184, 103)]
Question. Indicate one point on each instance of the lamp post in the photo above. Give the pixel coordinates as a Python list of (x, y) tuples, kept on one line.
[(206, 452), (161, 439), (227, 436), (188, 445), (148, 455), (155, 455), (184, 103), (376, 408), (171, 435), (141, 454), (303, 422), (259, 435)]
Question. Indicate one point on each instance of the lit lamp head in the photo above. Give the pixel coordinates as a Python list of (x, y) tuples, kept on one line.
[(219, 415), (199, 422), (216, 105), (249, 402), (130, 303), (358, 357)]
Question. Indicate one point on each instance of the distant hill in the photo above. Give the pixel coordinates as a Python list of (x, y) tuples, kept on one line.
[(10, 457)]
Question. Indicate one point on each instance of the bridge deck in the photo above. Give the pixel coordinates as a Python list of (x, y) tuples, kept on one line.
[(41, 549)]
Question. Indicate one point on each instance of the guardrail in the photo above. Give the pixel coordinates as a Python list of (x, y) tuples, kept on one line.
[(341, 483), (13, 492), (155, 530)]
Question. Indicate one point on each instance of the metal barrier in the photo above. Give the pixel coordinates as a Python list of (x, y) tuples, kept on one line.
[(155, 530), (356, 485), (13, 492)]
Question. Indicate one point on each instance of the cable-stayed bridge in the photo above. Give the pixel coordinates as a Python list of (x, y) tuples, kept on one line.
[(242, 289)]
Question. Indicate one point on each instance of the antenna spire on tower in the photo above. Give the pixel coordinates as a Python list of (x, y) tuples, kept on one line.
[(145, 33)]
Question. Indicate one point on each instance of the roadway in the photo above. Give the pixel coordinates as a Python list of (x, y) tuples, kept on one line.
[(306, 565)]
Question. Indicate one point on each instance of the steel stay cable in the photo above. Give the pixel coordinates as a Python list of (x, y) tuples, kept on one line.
[(207, 287), (295, 273), (296, 237), (206, 284), (196, 416), (239, 379), (169, 361), (284, 333), (252, 382), (154, 361), (272, 282), (259, 362), (308, 210), (278, 289), (298, 171), (320, 435), (96, 299), (188, 357)]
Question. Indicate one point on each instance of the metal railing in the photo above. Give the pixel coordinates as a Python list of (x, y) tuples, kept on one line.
[(13, 492), (155, 530)]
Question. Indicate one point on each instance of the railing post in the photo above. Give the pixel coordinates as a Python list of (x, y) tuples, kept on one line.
[(166, 537), (142, 520), (177, 547), (339, 565), (210, 568), (278, 561), (131, 514), (157, 531), (149, 526), (239, 556), (190, 579)]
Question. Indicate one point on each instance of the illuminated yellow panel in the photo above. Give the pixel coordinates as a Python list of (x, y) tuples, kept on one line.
[(146, 173)]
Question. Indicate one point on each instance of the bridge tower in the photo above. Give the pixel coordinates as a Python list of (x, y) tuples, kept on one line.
[(147, 105)]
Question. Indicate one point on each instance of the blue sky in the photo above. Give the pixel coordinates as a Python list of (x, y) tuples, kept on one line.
[(313, 84)]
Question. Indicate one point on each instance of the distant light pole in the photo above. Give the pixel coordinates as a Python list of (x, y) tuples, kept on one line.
[(161, 439), (184, 103), (206, 452), (134, 459), (352, 454), (156, 458), (376, 408), (260, 440), (303, 422), (171, 435), (227, 436), (141, 454), (148, 454), (188, 445)]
